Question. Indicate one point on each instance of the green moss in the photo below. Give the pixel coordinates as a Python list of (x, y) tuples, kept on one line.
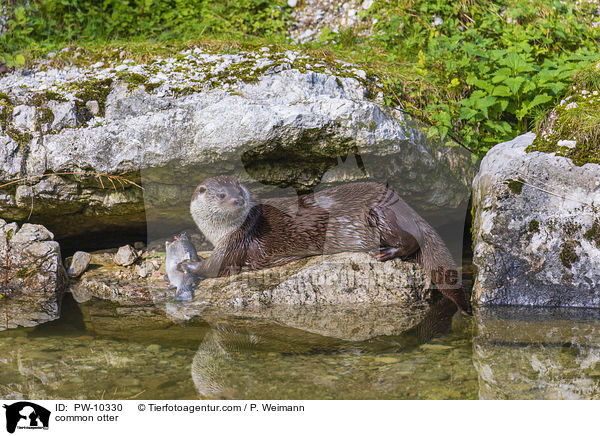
[(568, 255), (4, 97), (578, 120), (516, 185), (92, 90), (151, 86), (133, 80), (593, 233), (18, 136), (6, 110), (51, 95), (26, 272), (187, 90), (40, 99), (534, 226)]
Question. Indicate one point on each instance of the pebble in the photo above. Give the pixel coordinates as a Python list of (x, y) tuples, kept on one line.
[(93, 107), (153, 348), (79, 264), (125, 256)]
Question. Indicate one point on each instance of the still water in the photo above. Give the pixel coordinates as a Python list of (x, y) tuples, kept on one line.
[(100, 350)]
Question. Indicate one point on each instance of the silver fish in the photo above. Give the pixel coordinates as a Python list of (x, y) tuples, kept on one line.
[(177, 251)]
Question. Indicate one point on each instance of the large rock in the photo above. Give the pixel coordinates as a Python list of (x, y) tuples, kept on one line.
[(536, 229), (172, 122), (32, 278), (348, 295)]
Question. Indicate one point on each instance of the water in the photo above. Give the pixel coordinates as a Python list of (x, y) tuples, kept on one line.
[(100, 350)]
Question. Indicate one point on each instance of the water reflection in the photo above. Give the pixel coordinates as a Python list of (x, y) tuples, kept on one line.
[(105, 350), (108, 351), (535, 353), (242, 359)]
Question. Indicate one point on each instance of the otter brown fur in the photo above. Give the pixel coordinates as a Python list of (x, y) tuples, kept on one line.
[(249, 233)]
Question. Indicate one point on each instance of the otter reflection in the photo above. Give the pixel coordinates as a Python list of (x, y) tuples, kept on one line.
[(242, 359)]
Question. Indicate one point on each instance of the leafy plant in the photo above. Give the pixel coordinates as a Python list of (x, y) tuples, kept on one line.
[(486, 71), (480, 72)]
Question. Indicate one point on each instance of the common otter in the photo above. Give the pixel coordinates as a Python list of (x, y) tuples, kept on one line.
[(252, 234), (177, 251)]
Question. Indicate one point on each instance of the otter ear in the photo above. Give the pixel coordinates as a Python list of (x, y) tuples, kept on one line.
[(201, 190)]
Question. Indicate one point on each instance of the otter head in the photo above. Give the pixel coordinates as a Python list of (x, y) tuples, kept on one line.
[(219, 206)]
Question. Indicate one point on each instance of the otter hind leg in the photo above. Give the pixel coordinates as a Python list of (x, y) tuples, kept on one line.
[(386, 252)]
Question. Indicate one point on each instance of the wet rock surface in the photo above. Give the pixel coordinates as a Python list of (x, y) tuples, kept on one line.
[(32, 278), (348, 295), (536, 229)]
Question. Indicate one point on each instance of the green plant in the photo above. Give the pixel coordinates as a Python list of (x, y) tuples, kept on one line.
[(479, 72), (44, 25), (486, 71)]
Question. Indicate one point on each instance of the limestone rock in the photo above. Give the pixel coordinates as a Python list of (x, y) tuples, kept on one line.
[(347, 295), (79, 263), (536, 229), (169, 136), (126, 255), (33, 284)]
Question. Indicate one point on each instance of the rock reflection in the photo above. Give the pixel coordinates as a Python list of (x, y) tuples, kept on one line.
[(248, 359), (536, 353)]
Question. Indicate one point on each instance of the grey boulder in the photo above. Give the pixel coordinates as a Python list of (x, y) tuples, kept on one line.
[(536, 229), (33, 278)]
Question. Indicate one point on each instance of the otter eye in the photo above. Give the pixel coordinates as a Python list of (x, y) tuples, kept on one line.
[(201, 190), (221, 196)]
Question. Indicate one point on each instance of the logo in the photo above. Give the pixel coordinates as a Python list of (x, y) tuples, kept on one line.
[(26, 415)]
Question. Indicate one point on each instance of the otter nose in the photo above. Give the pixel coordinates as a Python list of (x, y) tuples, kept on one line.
[(239, 202)]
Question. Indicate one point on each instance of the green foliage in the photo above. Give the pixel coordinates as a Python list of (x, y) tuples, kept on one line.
[(488, 70), (575, 120), (45, 25), (480, 72)]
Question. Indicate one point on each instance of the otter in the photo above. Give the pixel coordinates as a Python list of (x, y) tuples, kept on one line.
[(249, 233)]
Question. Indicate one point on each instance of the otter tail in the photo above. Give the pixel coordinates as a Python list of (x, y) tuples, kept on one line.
[(435, 258)]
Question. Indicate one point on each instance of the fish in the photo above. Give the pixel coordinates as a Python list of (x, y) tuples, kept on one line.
[(179, 250)]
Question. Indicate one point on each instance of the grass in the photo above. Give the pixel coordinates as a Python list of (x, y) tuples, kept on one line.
[(477, 72), (576, 120)]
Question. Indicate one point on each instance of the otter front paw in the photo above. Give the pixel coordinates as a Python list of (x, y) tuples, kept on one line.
[(190, 267), (185, 265)]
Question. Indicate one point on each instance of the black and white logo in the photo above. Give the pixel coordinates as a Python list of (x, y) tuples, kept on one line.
[(26, 415)]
